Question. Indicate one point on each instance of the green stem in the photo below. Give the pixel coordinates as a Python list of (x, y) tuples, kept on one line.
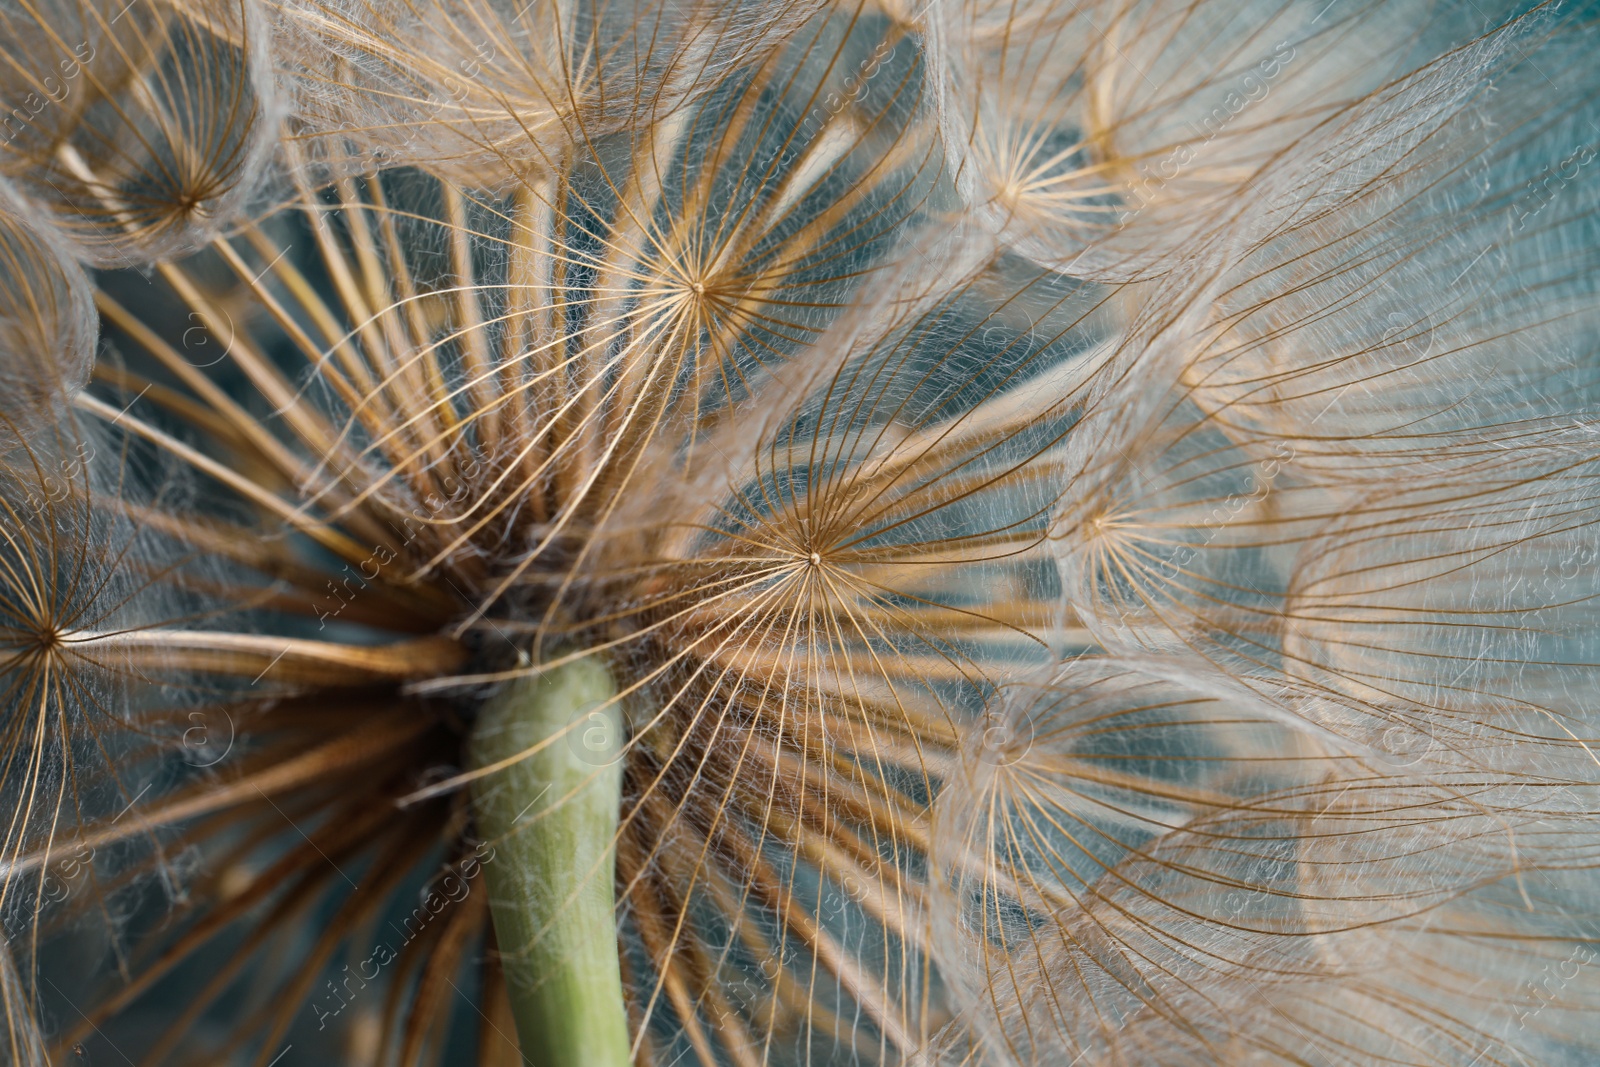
[(552, 818)]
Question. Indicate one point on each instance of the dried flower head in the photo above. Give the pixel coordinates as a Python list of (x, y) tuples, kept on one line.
[(1016, 534)]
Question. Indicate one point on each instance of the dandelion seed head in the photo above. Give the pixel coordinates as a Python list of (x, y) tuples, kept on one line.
[(144, 132), (1059, 609), (46, 330)]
